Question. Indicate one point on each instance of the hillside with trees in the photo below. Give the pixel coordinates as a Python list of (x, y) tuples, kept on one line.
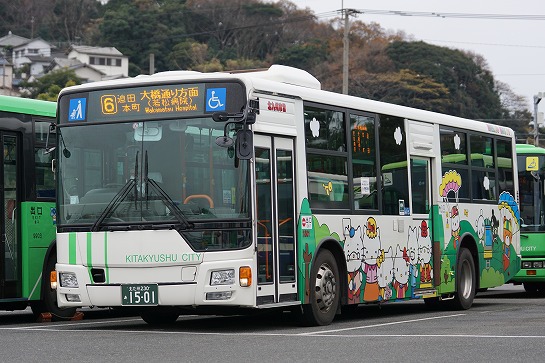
[(217, 35)]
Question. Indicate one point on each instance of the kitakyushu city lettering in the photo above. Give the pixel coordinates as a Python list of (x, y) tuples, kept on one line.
[(164, 257)]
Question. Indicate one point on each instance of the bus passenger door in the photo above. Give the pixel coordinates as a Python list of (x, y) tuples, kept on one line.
[(9, 245), (275, 211), (423, 149), (421, 207)]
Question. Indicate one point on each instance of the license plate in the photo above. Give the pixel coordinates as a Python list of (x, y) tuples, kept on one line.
[(139, 294)]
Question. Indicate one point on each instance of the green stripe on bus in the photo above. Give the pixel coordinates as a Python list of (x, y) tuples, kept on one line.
[(90, 254), (72, 248), (106, 269)]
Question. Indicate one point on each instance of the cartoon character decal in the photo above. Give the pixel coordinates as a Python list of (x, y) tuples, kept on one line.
[(424, 256), (450, 185), (401, 272), (386, 275), (511, 216), (353, 251), (385, 263), (455, 225), (373, 256), (412, 252)]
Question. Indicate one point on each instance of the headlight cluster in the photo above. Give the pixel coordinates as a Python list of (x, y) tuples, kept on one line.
[(68, 279), (222, 277)]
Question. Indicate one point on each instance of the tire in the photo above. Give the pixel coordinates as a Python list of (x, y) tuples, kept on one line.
[(48, 302), (433, 303), (466, 281), (535, 288), (324, 291), (530, 287), (160, 316)]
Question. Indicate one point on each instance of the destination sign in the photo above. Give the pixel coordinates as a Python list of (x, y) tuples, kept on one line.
[(152, 102), (134, 102)]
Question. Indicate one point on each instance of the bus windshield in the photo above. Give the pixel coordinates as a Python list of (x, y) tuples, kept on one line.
[(532, 201), (157, 173)]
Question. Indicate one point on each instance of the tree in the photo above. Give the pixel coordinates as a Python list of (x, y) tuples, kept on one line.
[(71, 18), (405, 87), (470, 85), (516, 114), (138, 28), (49, 85)]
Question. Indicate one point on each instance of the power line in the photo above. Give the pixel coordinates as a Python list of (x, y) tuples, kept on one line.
[(452, 15)]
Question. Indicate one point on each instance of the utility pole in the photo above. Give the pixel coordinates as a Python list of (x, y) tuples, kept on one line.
[(346, 46), (537, 98), (151, 63)]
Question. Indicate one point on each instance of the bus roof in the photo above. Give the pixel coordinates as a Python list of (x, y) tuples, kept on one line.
[(28, 106), (298, 84), (530, 149)]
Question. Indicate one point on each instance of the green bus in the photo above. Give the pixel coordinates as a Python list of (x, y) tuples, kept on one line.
[(531, 176), (28, 219)]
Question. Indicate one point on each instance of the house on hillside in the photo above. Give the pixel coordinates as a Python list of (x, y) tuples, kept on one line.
[(6, 74), (84, 71), (28, 59), (37, 49), (108, 60)]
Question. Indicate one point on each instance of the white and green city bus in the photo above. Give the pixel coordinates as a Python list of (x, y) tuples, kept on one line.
[(28, 216), (213, 192)]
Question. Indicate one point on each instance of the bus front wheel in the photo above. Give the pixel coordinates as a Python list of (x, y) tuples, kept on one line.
[(160, 316), (466, 281), (324, 290), (48, 301), (535, 288)]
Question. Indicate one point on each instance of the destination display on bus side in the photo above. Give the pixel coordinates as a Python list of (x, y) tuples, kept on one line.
[(152, 102)]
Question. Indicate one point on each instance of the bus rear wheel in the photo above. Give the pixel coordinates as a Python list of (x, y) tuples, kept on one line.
[(48, 302), (324, 291), (466, 281)]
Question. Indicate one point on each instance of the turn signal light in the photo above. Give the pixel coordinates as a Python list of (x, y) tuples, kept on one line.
[(245, 276), (53, 280)]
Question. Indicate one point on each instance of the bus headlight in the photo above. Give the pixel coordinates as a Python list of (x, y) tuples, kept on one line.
[(526, 264), (68, 279), (222, 277)]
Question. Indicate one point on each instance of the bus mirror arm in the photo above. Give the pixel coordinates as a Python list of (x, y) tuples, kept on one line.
[(49, 150)]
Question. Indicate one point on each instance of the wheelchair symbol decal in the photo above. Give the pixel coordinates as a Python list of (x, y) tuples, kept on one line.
[(215, 99)]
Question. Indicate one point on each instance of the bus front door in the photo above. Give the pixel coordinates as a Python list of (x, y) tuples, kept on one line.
[(9, 248), (275, 211)]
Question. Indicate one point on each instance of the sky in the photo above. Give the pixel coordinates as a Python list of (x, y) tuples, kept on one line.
[(513, 48)]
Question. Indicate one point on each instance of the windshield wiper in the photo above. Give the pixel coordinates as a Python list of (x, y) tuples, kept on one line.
[(186, 224), (114, 203)]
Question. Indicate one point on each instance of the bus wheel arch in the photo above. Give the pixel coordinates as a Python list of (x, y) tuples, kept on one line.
[(326, 284), (48, 297)]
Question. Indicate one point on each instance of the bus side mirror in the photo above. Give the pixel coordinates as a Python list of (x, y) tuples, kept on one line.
[(245, 144)]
